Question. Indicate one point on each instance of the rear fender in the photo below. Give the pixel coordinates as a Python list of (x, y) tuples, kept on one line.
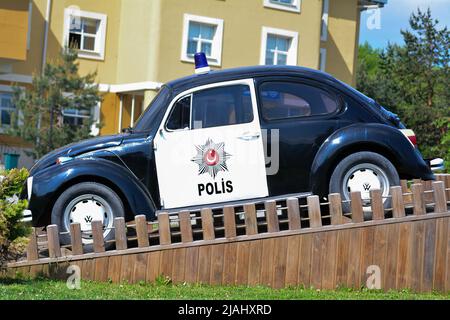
[(380, 138)]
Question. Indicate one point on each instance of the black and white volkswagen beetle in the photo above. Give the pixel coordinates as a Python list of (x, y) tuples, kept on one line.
[(221, 137)]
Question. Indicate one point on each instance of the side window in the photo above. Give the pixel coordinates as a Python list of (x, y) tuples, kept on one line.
[(180, 116), (282, 100), (221, 106)]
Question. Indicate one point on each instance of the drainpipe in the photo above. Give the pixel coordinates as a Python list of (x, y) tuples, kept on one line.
[(120, 113), (47, 25), (132, 110), (44, 51)]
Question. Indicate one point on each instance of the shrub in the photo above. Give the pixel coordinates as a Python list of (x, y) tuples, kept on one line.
[(13, 232)]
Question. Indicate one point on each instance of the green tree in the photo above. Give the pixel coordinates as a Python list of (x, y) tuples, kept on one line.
[(413, 80), (368, 69), (41, 107), (13, 232)]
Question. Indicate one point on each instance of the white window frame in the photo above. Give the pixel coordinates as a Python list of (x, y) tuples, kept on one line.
[(323, 59), (100, 38), (216, 49), (11, 109), (293, 49), (295, 7), (324, 22), (76, 114)]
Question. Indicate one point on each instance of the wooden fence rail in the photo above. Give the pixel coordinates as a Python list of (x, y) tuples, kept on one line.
[(289, 242)]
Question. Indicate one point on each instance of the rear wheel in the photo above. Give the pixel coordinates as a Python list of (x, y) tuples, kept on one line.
[(83, 203), (364, 171)]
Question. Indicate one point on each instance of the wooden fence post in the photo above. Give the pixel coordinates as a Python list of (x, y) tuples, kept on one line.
[(75, 239), (54, 249), (272, 216), (293, 214), (398, 207), (251, 224), (229, 221), (428, 187), (377, 204), (315, 217), (404, 186), (32, 249), (97, 236), (445, 177), (440, 201), (120, 233), (185, 226), (164, 228), (141, 231), (418, 199), (447, 185), (208, 224), (335, 208), (356, 207)]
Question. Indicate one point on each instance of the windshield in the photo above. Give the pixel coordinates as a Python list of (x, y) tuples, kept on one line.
[(153, 110)]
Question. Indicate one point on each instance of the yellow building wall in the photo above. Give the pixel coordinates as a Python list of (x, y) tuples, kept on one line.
[(138, 41), (13, 29), (243, 22), (342, 41), (106, 69), (109, 114)]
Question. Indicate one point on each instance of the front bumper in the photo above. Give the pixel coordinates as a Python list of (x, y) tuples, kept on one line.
[(26, 194), (27, 216), (436, 164)]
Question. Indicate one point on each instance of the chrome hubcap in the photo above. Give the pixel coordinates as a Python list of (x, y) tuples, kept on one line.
[(363, 178), (86, 208)]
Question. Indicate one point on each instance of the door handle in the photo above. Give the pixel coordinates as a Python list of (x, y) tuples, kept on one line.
[(249, 136)]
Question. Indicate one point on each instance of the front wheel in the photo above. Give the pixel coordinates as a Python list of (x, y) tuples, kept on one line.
[(83, 203), (364, 171)]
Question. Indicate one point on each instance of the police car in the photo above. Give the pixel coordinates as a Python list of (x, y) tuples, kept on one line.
[(221, 137)]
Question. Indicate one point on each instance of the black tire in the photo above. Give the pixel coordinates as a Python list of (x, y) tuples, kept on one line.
[(76, 191), (361, 159)]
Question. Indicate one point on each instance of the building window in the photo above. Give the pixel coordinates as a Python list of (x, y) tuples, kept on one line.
[(202, 34), (324, 26), (6, 109), (85, 31), (323, 59), (278, 47), (76, 117), (288, 5)]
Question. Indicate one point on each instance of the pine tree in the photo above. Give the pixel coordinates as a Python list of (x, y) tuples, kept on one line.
[(413, 80), (40, 118)]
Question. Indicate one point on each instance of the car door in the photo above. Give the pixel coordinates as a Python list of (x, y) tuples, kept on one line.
[(209, 147), (304, 114)]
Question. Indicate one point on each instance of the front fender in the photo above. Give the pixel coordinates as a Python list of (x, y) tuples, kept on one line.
[(49, 183), (380, 138)]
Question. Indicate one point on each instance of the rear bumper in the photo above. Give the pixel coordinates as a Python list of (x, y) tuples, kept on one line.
[(435, 164)]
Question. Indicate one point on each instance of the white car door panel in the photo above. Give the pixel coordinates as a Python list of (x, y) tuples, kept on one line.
[(219, 156)]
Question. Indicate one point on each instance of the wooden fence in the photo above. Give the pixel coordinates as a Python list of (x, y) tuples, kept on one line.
[(284, 243)]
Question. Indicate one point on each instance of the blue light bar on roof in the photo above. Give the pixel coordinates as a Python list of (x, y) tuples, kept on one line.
[(201, 63)]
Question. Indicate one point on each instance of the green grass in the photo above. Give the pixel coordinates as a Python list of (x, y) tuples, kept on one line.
[(42, 289)]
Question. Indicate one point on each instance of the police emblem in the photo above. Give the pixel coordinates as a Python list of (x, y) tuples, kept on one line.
[(211, 158)]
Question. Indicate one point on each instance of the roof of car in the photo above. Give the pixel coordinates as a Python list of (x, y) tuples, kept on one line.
[(195, 80)]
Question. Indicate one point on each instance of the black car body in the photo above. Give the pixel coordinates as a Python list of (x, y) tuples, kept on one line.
[(310, 147)]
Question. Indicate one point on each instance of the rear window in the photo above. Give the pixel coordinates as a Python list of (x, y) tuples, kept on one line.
[(283, 100)]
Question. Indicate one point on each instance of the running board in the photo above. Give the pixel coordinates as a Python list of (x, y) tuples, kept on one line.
[(236, 203)]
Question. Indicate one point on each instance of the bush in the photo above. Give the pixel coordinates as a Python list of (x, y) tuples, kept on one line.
[(13, 232)]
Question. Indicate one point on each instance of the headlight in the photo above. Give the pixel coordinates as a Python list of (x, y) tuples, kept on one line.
[(61, 160), (29, 187)]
